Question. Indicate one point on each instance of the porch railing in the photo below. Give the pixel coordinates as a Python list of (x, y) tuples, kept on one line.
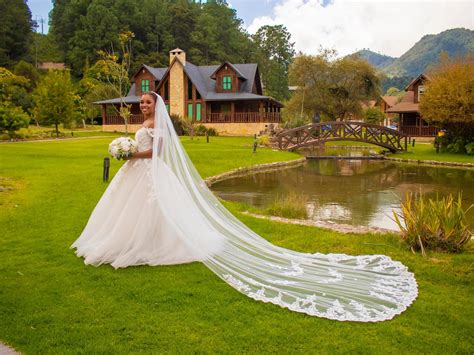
[(419, 131), (118, 120), (243, 117), (239, 117)]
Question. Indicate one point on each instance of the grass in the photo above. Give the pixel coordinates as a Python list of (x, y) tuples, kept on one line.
[(292, 205), (421, 151), (50, 302), (426, 151), (33, 132)]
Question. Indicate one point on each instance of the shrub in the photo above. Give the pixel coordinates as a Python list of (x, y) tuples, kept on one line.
[(469, 148), (177, 124), (289, 206), (201, 130), (12, 118), (212, 132), (264, 140), (435, 224), (456, 146)]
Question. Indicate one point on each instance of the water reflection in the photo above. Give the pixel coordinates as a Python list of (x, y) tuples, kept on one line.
[(358, 192)]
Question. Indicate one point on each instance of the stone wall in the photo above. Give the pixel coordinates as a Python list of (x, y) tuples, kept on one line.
[(238, 129), (132, 128)]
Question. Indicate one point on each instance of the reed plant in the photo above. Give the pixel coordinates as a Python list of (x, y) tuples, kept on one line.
[(292, 205), (433, 224)]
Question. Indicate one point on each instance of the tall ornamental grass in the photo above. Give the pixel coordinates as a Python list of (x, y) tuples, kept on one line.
[(292, 205), (433, 224)]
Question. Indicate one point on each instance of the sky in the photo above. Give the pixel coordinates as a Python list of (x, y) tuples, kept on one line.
[(385, 27)]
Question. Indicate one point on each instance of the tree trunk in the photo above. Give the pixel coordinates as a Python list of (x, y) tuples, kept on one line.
[(57, 130)]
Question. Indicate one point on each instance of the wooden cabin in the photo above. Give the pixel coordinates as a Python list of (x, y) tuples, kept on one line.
[(227, 97), (411, 122)]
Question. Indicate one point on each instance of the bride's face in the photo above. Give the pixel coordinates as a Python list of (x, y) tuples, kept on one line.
[(147, 105)]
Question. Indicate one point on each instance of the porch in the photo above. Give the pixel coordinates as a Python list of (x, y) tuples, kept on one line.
[(222, 117), (413, 125)]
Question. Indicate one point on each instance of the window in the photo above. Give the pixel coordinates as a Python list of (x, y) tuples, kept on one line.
[(421, 91), (227, 82), (145, 85), (190, 111), (198, 112), (167, 107)]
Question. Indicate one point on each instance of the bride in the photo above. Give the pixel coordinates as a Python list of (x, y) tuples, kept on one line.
[(157, 210)]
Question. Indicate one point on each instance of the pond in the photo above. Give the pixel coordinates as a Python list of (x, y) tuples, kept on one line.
[(355, 192)]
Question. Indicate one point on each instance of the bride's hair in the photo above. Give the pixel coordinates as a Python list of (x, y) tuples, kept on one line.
[(153, 94)]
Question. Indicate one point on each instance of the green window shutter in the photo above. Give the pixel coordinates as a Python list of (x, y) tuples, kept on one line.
[(167, 108), (227, 82), (198, 112), (190, 111), (145, 85)]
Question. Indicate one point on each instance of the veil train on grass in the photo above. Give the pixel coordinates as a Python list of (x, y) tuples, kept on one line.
[(367, 288)]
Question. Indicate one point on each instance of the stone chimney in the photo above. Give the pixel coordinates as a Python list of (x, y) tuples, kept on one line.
[(177, 82), (178, 53)]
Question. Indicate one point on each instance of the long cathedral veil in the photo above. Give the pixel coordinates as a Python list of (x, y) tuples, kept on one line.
[(366, 288)]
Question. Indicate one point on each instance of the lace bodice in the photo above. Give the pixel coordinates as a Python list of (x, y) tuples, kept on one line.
[(144, 138)]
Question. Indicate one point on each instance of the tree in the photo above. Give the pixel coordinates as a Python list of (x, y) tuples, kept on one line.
[(392, 91), (275, 52), (448, 99), (331, 87), (374, 115), (12, 118), (92, 90), (43, 48), (15, 30), (15, 89), (26, 70), (55, 99), (113, 70)]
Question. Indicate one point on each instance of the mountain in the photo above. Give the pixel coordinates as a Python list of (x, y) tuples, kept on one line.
[(379, 61), (456, 42)]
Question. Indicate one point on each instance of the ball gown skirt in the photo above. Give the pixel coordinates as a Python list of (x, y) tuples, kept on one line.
[(125, 227)]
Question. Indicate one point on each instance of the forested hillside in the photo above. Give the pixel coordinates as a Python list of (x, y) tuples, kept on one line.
[(455, 42)]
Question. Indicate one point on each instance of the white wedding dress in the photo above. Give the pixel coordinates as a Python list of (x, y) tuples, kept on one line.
[(126, 227), (159, 211)]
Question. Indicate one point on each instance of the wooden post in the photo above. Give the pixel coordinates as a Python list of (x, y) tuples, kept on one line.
[(232, 112), (203, 111), (104, 114)]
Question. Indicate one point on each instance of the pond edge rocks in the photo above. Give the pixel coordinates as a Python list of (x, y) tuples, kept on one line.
[(253, 169), (341, 228)]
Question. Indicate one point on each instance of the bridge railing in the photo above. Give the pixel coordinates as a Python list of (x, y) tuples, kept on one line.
[(355, 131)]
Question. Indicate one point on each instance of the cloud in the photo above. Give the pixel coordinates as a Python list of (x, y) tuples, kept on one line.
[(389, 28)]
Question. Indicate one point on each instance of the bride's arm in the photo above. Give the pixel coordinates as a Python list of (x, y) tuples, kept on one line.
[(147, 153), (143, 155)]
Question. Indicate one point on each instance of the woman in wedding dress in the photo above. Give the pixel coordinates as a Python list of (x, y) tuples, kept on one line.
[(157, 210)]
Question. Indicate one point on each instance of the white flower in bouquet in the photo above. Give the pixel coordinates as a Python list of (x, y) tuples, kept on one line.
[(122, 147)]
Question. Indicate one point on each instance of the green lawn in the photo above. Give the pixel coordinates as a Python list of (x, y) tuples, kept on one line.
[(421, 151), (426, 151), (50, 302)]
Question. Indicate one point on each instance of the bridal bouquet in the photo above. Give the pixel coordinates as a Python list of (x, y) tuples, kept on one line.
[(122, 147)]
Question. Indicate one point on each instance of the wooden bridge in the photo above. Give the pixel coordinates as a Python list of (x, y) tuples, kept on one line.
[(338, 131)]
